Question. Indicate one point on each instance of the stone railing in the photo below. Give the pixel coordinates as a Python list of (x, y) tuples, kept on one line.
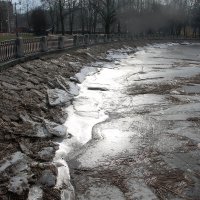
[(8, 50), (19, 48), (31, 46)]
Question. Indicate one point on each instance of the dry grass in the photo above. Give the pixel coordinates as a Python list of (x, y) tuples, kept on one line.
[(166, 182), (151, 89), (51, 194)]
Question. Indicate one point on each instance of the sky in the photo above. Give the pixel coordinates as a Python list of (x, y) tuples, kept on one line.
[(32, 4)]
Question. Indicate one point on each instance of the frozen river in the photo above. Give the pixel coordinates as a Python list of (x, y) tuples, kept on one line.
[(135, 126)]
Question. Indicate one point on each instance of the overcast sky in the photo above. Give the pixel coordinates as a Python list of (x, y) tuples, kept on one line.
[(31, 2)]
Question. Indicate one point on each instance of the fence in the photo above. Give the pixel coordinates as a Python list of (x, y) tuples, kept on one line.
[(18, 48), (31, 46), (10, 50)]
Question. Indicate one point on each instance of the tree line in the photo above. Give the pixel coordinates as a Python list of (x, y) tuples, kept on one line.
[(166, 17)]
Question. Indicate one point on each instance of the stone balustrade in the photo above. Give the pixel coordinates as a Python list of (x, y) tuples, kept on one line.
[(19, 48)]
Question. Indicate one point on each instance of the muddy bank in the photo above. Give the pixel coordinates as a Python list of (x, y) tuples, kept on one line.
[(32, 101)]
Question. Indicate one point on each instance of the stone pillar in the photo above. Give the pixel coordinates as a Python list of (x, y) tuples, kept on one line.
[(75, 40), (43, 44), (112, 37), (61, 41), (93, 38), (100, 38), (86, 39), (132, 36), (119, 37), (82, 40), (105, 38), (20, 47), (97, 38), (108, 37)]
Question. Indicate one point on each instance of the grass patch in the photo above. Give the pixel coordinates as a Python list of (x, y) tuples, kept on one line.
[(5, 37)]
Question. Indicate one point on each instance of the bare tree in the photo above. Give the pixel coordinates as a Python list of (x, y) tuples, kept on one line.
[(174, 17), (51, 6), (38, 21), (107, 10), (61, 5)]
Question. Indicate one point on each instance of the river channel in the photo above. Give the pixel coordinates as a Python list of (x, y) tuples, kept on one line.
[(134, 127)]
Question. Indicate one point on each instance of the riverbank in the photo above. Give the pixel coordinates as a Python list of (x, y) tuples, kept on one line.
[(32, 114), (34, 96)]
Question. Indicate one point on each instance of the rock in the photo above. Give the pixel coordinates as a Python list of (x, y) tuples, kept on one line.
[(18, 184), (5, 118), (40, 131), (62, 82), (27, 86), (85, 72), (67, 195), (9, 86), (35, 193), (98, 88), (36, 130), (55, 129), (74, 64), (96, 133), (20, 68), (16, 169), (48, 178), (73, 89), (33, 80), (58, 97), (25, 118), (17, 161), (38, 93), (74, 79), (117, 63), (46, 153), (90, 55), (24, 148)]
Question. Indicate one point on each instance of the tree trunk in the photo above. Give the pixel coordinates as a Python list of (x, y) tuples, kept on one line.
[(107, 28), (61, 18)]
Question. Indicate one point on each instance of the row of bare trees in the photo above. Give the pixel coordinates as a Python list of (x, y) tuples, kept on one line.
[(171, 17), (87, 15)]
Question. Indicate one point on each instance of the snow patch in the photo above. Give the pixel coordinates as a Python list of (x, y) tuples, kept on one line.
[(58, 97), (35, 193)]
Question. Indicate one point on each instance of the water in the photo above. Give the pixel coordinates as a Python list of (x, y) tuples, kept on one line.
[(128, 109)]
